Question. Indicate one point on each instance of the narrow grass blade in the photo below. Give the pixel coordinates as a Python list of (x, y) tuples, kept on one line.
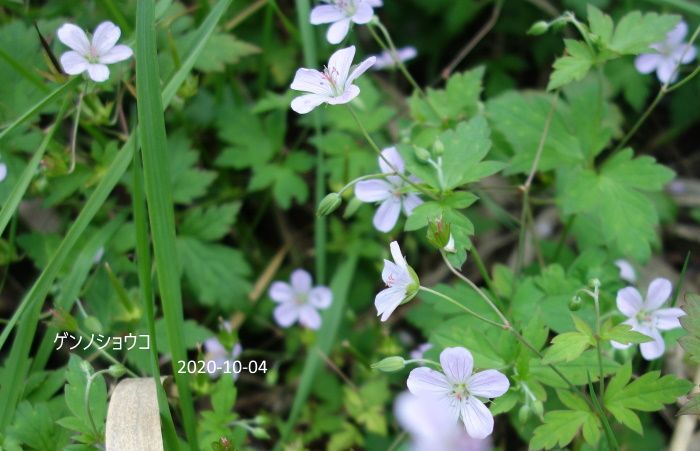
[(681, 279), (159, 198), (12, 202), (340, 285), (56, 93)]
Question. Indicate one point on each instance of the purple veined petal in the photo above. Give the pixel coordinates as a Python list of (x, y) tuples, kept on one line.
[(281, 292), (74, 37), (392, 156), (395, 275), (667, 71), (214, 348), (326, 14), (387, 300), (116, 54), (360, 69), (373, 190), (309, 317), (488, 384), (653, 349), (659, 291), (427, 382), (477, 418), (410, 201), (73, 63), (397, 255), (420, 351), (98, 72), (306, 103), (647, 63), (629, 301), (301, 281), (675, 36), (363, 13), (667, 318), (286, 314), (684, 54), (457, 364), (387, 214), (321, 297), (348, 95), (337, 31), (406, 53), (105, 37), (311, 80)]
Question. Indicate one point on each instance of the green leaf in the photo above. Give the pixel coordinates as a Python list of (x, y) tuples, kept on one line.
[(576, 370), (188, 181), (623, 333), (567, 347), (253, 139), (285, 180), (600, 23), (216, 423), (79, 400), (366, 405), (559, 428), (221, 49), (635, 32), (691, 323), (35, 425), (573, 66), (457, 101), (210, 224)]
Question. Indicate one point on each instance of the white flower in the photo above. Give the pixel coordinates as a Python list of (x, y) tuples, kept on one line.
[(458, 390), (299, 301), (671, 53), (340, 13), (216, 352), (3, 171), (332, 86), (420, 350), (402, 283), (388, 59), (390, 191), (432, 427), (94, 56), (646, 317), (627, 272)]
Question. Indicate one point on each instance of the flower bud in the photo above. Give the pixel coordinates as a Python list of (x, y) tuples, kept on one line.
[(390, 364), (438, 147), (575, 303), (524, 413), (538, 28), (422, 154), (117, 370), (260, 433), (595, 282), (438, 233), (329, 204), (538, 408)]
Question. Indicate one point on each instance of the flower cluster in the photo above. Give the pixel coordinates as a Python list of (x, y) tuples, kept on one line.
[(670, 54), (299, 300)]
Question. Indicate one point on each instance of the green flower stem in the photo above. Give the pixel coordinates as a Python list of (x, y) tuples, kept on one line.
[(463, 307), (379, 175), (109, 357), (426, 361), (389, 163), (482, 269)]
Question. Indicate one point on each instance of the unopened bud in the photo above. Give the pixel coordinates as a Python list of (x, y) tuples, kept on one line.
[(438, 147), (524, 413), (422, 154), (260, 433), (390, 364), (538, 28), (329, 204), (117, 370), (575, 303), (439, 233), (595, 283)]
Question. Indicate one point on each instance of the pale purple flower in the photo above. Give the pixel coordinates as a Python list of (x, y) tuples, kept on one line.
[(647, 317), (433, 427), (333, 86), (458, 390), (3, 171), (671, 53), (215, 351), (627, 272), (341, 14), (401, 281), (390, 191), (92, 56), (387, 59), (420, 350), (299, 300)]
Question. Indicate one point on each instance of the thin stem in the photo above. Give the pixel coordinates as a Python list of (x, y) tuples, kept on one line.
[(107, 355), (463, 307), (74, 133), (364, 177), (482, 268), (88, 385), (394, 55)]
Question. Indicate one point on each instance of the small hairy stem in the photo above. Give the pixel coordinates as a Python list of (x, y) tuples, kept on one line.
[(74, 132), (463, 307)]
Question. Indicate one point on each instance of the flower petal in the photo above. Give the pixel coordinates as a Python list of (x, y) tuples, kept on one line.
[(659, 291), (360, 69), (410, 201), (301, 281), (74, 37), (667, 318), (617, 345), (105, 37), (313, 81), (391, 157), (653, 349), (629, 301), (374, 3), (350, 93), (326, 14), (281, 292), (306, 103), (98, 72), (387, 214), (321, 297), (397, 255), (214, 348), (667, 71), (647, 62), (457, 363), (73, 63), (675, 36), (477, 418), (627, 272), (3, 171), (684, 54), (363, 13), (387, 300), (116, 54), (488, 384), (309, 317), (372, 190), (338, 30), (286, 314), (427, 382)]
